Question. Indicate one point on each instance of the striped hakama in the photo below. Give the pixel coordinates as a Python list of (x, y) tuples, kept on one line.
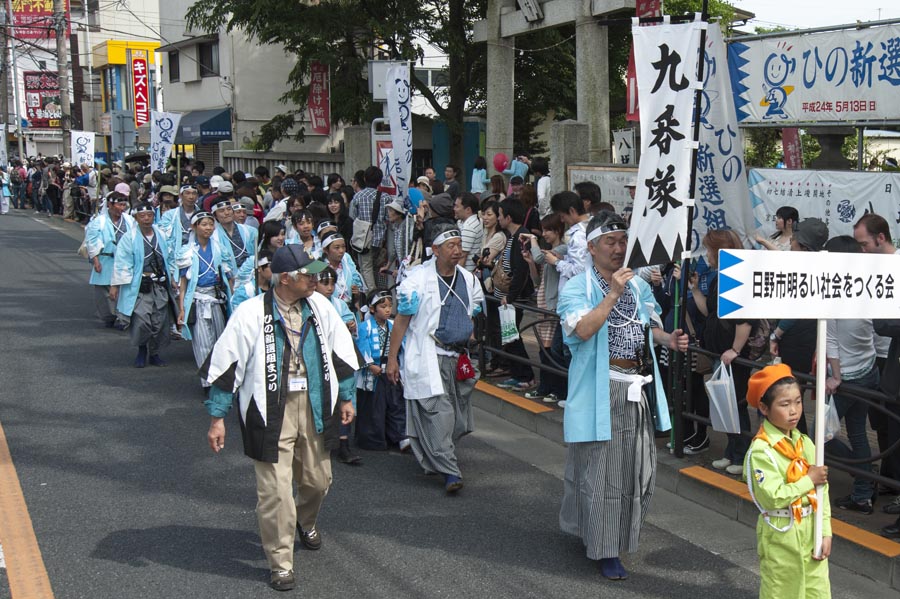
[(151, 319), (609, 484), (209, 324), (435, 423)]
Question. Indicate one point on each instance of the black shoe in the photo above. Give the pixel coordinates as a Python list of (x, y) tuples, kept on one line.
[(345, 456), (892, 531), (847, 503), (155, 360), (311, 539), (282, 580), (699, 446)]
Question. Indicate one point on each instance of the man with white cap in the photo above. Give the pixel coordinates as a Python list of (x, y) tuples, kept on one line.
[(291, 361), (101, 236), (141, 283), (281, 169), (436, 303), (609, 319)]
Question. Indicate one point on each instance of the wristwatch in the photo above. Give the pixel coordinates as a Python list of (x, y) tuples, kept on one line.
[(774, 337)]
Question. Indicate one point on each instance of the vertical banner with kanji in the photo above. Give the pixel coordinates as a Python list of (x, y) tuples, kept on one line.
[(319, 101), (140, 79), (82, 147), (163, 127), (793, 149), (400, 115), (4, 156), (623, 142), (666, 61), (642, 9), (723, 199)]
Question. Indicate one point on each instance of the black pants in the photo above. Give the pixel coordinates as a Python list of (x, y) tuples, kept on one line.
[(381, 417), (517, 370)]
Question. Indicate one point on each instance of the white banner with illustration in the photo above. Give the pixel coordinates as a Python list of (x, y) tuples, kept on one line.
[(846, 75), (839, 198), (666, 63), (400, 116), (163, 127), (82, 147)]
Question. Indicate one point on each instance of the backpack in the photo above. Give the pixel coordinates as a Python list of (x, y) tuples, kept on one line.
[(758, 343), (15, 177)]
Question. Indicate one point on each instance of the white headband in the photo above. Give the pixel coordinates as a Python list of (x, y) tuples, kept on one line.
[(609, 228), (331, 239), (446, 236)]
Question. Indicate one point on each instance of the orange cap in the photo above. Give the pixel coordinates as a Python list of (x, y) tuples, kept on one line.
[(761, 381)]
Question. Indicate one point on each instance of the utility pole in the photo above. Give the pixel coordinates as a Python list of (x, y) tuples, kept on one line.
[(4, 69), (15, 72), (62, 61)]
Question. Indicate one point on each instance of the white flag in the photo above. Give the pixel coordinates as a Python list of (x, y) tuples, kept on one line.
[(4, 156), (82, 148), (666, 62), (163, 127), (400, 116)]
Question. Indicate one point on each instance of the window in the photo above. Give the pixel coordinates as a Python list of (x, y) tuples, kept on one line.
[(93, 14), (209, 59), (439, 78), (174, 67)]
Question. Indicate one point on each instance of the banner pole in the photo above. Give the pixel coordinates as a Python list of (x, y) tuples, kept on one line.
[(821, 332)]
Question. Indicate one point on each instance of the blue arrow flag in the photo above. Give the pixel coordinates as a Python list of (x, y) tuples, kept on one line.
[(726, 307), (727, 260)]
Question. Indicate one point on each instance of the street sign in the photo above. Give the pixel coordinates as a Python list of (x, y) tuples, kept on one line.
[(822, 285)]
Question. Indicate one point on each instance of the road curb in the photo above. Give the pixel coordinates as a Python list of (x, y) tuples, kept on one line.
[(855, 549)]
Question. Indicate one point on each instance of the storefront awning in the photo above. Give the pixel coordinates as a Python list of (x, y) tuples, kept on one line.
[(204, 127)]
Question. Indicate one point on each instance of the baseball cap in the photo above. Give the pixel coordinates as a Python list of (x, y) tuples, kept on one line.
[(215, 181), (170, 189), (517, 180), (202, 180), (632, 182), (123, 188), (226, 187), (811, 233), (290, 258)]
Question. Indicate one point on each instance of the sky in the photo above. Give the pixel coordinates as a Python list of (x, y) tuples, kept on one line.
[(805, 14)]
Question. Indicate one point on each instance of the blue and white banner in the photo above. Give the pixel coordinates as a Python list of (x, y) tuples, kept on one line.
[(163, 127), (666, 64), (839, 198), (400, 116), (82, 148), (723, 200), (836, 76)]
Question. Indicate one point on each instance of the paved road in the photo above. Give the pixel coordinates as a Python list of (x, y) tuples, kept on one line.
[(127, 501)]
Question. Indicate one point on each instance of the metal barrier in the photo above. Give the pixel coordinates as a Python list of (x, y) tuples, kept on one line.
[(682, 397)]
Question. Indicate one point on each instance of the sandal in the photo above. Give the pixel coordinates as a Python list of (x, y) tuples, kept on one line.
[(525, 386)]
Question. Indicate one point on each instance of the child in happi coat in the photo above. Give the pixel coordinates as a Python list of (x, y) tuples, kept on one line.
[(381, 418), (782, 483), (325, 286)]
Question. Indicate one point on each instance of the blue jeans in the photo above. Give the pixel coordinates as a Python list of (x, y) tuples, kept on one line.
[(738, 444), (855, 414)]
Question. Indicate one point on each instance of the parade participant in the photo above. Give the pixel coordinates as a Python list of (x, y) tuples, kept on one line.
[(288, 422), (176, 224), (101, 236), (349, 281), (381, 411), (782, 482), (262, 279), (301, 233), (609, 321), (238, 240), (140, 284), (435, 304), (205, 289)]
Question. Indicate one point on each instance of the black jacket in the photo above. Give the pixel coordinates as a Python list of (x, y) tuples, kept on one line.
[(520, 287), (890, 378)]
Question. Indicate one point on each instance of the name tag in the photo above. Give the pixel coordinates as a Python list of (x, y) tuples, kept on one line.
[(297, 383)]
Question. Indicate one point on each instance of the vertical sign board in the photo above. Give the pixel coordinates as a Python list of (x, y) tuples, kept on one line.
[(319, 101), (42, 106), (642, 9), (140, 80), (821, 285)]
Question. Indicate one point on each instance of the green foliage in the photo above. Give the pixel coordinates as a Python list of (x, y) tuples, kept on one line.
[(762, 147)]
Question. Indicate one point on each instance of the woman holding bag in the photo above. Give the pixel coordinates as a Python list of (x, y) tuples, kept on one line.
[(729, 339)]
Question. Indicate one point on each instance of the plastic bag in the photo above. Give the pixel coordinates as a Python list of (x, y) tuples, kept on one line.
[(723, 409), (832, 420), (508, 330)]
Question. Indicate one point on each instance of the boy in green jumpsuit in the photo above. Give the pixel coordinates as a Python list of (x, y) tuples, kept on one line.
[(782, 483)]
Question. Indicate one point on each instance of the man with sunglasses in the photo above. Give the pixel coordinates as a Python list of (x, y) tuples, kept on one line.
[(292, 363), (101, 236)]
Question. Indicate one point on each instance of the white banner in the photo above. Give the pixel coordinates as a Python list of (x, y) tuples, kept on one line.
[(82, 147), (723, 200), (400, 115), (4, 156), (847, 75), (839, 198), (666, 63), (623, 142), (163, 127)]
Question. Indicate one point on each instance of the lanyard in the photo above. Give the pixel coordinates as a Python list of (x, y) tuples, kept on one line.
[(296, 351)]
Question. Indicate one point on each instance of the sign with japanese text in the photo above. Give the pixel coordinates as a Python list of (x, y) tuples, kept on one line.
[(610, 179), (623, 144), (793, 149), (822, 285), (82, 147), (642, 9), (140, 79), (399, 97), (42, 106), (319, 102), (163, 127), (666, 60), (839, 198), (723, 200), (4, 155), (33, 19), (847, 75)]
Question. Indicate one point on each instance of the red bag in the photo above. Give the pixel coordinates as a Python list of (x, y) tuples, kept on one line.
[(464, 368)]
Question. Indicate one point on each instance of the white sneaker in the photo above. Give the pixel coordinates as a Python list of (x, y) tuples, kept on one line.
[(550, 398), (734, 469), (561, 403), (721, 464)]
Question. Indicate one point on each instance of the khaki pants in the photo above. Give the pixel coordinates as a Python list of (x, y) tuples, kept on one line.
[(302, 459)]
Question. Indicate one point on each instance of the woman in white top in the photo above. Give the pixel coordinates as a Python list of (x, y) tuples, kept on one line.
[(786, 218)]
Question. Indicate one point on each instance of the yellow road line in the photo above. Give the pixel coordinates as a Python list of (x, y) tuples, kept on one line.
[(24, 565)]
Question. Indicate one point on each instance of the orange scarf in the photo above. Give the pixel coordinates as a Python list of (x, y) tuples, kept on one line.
[(796, 470)]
